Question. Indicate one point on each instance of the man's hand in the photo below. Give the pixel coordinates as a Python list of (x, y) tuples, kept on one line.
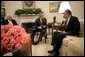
[(44, 26), (65, 32), (40, 27)]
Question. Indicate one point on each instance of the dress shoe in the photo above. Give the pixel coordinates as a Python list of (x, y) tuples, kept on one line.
[(32, 42), (53, 54), (36, 43), (50, 51)]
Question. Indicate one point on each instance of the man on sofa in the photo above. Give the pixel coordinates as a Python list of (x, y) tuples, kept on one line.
[(71, 27), (9, 20)]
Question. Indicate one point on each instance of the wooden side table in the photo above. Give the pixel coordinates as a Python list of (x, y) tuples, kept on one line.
[(57, 27)]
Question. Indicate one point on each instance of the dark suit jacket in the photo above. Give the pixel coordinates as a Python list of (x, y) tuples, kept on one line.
[(73, 27), (2, 20), (38, 23), (13, 21)]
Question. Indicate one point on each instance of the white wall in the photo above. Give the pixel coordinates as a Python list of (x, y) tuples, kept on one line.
[(45, 8), (76, 6), (11, 6)]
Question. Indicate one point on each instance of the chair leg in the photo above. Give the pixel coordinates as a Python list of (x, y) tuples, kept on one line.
[(45, 38)]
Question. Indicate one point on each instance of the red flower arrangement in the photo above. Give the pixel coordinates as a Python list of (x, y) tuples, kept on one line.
[(13, 37), (9, 46), (18, 46)]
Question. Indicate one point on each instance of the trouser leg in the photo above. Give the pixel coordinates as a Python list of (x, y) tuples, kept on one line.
[(58, 42), (40, 37), (32, 35)]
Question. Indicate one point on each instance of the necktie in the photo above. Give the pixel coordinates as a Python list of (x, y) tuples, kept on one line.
[(65, 23)]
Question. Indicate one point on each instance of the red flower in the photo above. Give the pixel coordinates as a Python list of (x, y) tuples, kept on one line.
[(8, 33), (2, 29), (3, 35), (18, 39), (18, 46), (11, 37), (3, 45), (9, 46), (24, 40), (8, 27), (23, 34), (18, 28), (16, 34), (5, 40), (22, 30), (12, 41), (12, 30)]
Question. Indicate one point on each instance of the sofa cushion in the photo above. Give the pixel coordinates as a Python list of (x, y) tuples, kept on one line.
[(77, 46), (67, 39), (72, 46)]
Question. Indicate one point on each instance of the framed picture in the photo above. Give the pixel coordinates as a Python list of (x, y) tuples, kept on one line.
[(2, 3), (54, 6), (28, 4), (2, 11)]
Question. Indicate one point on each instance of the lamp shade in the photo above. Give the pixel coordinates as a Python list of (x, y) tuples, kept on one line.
[(64, 6)]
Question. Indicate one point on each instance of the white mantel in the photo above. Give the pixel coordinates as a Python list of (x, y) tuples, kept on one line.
[(23, 19)]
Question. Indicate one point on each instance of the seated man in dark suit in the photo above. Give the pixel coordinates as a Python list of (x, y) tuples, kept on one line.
[(71, 27), (2, 20), (9, 20), (40, 25)]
